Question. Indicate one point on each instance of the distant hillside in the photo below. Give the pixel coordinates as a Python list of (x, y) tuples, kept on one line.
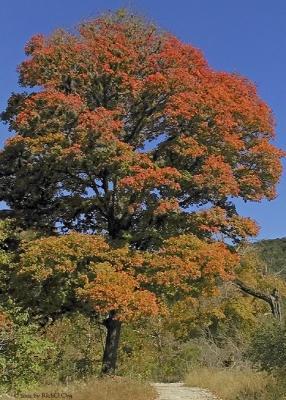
[(273, 253)]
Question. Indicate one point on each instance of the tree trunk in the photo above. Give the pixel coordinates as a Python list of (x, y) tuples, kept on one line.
[(113, 327)]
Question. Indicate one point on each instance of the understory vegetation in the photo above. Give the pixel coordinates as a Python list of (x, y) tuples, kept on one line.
[(228, 342), (237, 353)]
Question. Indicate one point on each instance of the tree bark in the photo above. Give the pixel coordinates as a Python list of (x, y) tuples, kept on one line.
[(113, 327)]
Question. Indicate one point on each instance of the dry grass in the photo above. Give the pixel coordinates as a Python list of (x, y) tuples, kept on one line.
[(231, 384), (114, 389), (95, 389)]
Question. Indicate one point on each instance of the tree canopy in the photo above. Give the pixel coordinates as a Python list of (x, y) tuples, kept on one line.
[(131, 134)]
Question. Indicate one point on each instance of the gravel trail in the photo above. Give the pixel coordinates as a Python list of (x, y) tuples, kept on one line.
[(177, 391)]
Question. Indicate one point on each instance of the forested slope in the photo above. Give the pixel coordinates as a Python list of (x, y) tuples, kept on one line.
[(273, 253)]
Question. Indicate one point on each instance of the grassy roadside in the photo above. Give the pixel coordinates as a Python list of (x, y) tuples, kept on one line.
[(93, 389), (232, 384)]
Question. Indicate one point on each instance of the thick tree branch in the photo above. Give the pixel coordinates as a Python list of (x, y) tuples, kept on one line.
[(272, 299)]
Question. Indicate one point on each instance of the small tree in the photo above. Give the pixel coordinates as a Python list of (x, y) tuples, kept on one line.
[(63, 274), (129, 134)]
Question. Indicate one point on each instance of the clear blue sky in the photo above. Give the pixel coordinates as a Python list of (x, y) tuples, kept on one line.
[(245, 36)]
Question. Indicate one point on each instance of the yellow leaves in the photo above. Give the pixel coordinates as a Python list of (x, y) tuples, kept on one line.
[(244, 226), (241, 309), (47, 256), (188, 314), (49, 143), (102, 275), (253, 272), (133, 283), (13, 141)]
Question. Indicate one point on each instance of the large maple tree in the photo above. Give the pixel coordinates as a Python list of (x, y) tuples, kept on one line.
[(130, 135)]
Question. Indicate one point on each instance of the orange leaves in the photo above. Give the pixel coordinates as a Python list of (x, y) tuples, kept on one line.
[(46, 112), (156, 81), (216, 220), (129, 131), (167, 206), (92, 270), (234, 141), (184, 261), (104, 121), (226, 108), (251, 186), (6, 323), (35, 43), (217, 175), (263, 146), (86, 268), (150, 177), (120, 291), (236, 103), (178, 59), (268, 157), (260, 170), (244, 226), (74, 152), (101, 128)]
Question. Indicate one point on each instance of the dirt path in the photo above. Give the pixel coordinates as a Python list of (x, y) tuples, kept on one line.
[(177, 391)]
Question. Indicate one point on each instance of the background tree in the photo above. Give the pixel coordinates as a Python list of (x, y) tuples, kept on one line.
[(131, 135)]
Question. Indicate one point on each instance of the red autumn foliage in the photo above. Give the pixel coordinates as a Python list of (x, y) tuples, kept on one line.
[(131, 136)]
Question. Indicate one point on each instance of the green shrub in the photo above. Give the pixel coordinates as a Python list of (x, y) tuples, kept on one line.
[(151, 352), (79, 345), (24, 359), (66, 351), (268, 348)]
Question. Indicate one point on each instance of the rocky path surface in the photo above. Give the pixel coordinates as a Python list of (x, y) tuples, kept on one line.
[(177, 391)]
